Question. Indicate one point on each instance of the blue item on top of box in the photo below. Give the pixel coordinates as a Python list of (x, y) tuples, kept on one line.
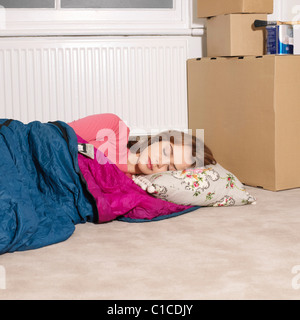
[(280, 39)]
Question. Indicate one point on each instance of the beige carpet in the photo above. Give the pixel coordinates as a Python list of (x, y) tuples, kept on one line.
[(212, 253)]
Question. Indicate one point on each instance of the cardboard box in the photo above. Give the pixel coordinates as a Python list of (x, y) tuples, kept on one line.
[(209, 8), (249, 110), (235, 35)]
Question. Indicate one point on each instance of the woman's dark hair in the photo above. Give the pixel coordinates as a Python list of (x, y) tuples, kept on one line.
[(138, 144)]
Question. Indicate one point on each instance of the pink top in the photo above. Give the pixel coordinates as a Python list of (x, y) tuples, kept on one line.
[(108, 133)]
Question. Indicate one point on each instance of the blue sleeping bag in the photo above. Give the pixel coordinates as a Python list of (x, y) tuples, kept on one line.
[(42, 191)]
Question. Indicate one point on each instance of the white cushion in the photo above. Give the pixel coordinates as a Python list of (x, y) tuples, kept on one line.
[(211, 185)]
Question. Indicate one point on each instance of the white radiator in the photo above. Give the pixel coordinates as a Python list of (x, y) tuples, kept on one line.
[(143, 80)]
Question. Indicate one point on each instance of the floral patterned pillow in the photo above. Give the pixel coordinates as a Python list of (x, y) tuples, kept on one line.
[(211, 185)]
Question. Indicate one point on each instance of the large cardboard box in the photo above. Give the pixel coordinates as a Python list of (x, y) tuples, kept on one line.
[(209, 8), (234, 35), (249, 108)]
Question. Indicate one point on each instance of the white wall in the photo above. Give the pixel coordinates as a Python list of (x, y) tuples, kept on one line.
[(288, 10)]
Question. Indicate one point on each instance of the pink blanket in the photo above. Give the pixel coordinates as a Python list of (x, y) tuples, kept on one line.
[(117, 195)]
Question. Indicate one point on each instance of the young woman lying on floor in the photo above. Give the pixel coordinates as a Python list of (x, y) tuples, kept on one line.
[(48, 187), (167, 151)]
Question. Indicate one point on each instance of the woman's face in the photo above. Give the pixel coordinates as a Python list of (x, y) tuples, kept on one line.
[(165, 156)]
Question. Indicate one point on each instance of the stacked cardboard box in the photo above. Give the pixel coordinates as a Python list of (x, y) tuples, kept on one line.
[(235, 35), (230, 29), (248, 105)]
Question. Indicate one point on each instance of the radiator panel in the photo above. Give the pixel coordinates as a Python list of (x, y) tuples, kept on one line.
[(143, 80)]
